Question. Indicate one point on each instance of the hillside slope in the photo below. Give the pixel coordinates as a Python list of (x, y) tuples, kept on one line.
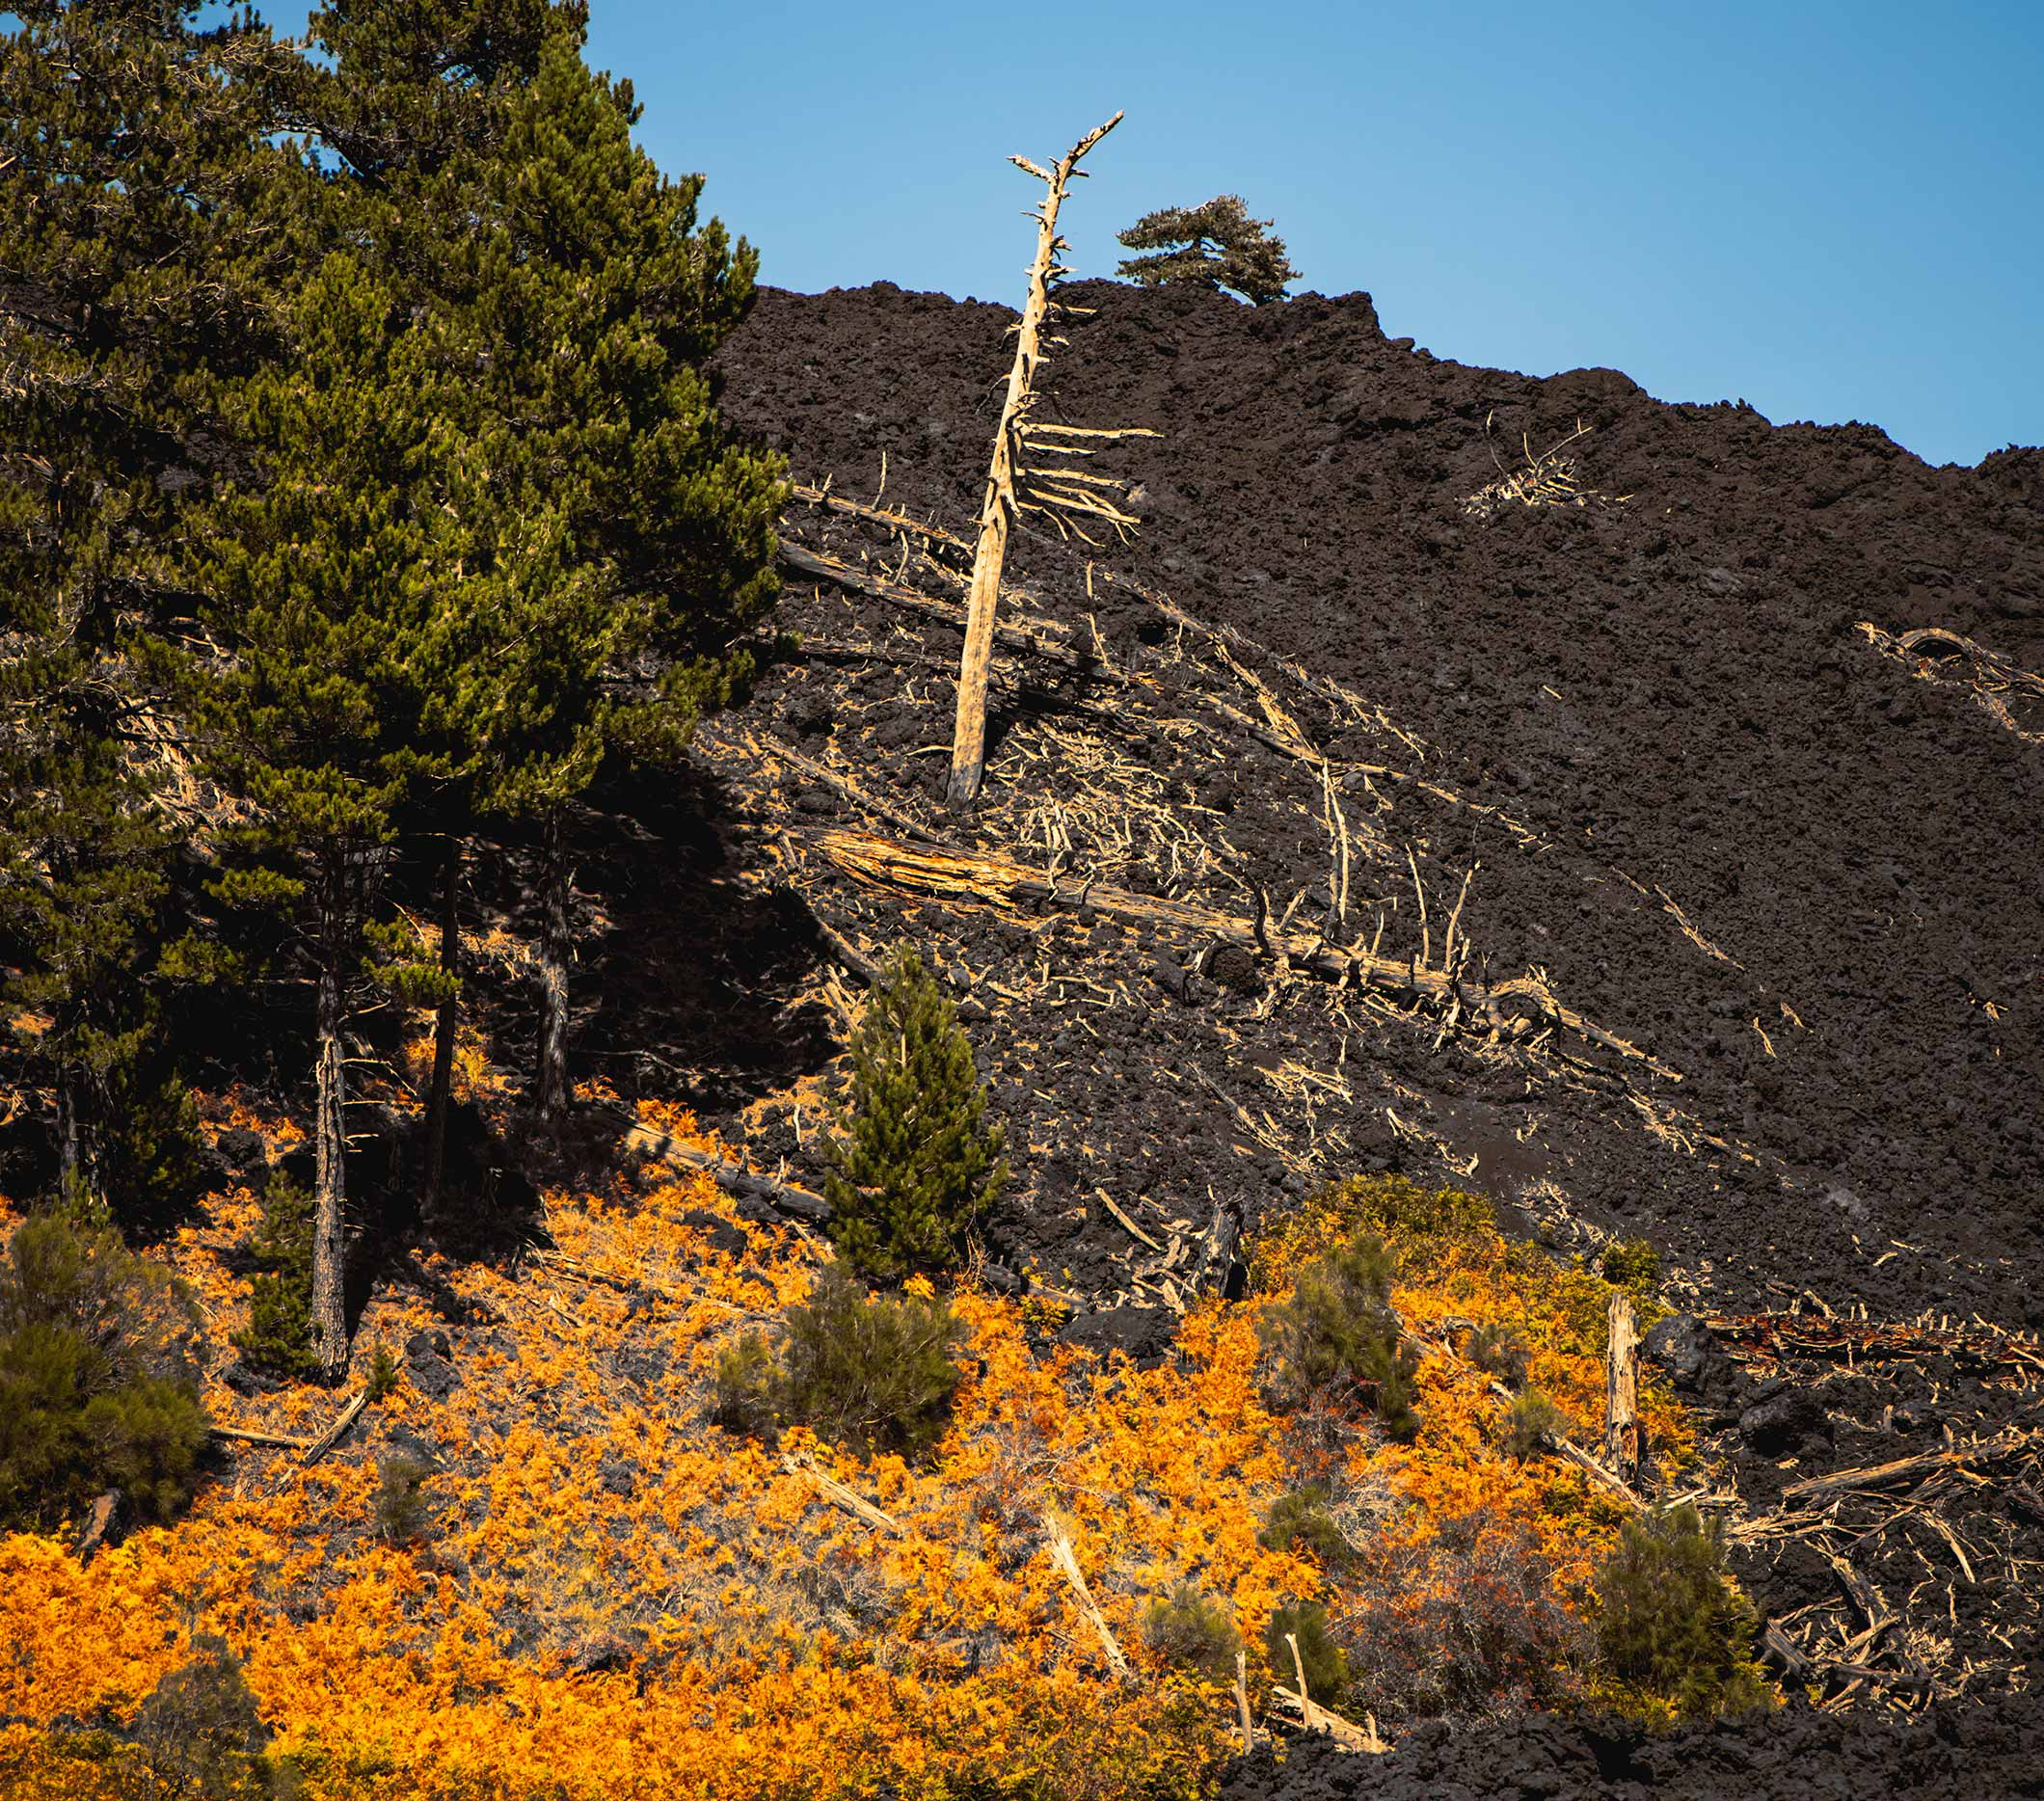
[(1714, 799)]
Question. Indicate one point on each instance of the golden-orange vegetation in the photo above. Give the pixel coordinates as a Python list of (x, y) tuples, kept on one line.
[(615, 1598)]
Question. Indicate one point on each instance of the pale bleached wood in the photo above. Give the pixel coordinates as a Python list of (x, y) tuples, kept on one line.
[(1624, 1435), (999, 504)]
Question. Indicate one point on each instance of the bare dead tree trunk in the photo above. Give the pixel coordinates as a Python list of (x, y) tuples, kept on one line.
[(71, 1147), (1625, 1438), (551, 1082), (447, 1020), (1003, 497), (330, 1324)]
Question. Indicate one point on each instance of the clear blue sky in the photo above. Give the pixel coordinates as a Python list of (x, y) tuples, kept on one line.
[(1833, 211)]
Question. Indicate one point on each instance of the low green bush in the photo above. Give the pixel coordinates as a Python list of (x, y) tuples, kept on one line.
[(1325, 1662), (385, 1373), (200, 1737), (1302, 1521), (1194, 1632), (1528, 1421), (278, 1339), (96, 1386), (1671, 1627), (1501, 1352), (873, 1375), (403, 1513), (1336, 1335), (1633, 1264)]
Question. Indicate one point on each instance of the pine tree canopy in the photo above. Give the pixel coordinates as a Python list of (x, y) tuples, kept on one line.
[(133, 266), (1212, 245), (916, 1164)]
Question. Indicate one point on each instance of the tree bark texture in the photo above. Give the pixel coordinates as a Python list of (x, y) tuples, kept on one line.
[(446, 1023), (330, 1324), (552, 1085), (968, 743), (1625, 1438)]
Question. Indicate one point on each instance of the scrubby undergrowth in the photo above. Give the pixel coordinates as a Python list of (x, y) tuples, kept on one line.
[(596, 1592)]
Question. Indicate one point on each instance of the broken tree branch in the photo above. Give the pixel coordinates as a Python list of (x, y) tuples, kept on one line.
[(1509, 1006)]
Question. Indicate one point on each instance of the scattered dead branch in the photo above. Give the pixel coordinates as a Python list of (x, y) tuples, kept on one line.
[(1067, 1566), (2013, 697), (1513, 1008), (1549, 478), (850, 1499)]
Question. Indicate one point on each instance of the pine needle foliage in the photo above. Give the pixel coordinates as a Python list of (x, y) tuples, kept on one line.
[(96, 1384), (1192, 1631), (873, 1375), (1325, 1663), (1671, 1627), (199, 1734), (1337, 1335), (1212, 245), (916, 1164), (278, 1339)]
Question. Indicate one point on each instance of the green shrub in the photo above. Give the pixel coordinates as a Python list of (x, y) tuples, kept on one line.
[(915, 1164), (1631, 1263), (384, 1375), (1528, 1421), (402, 1511), (278, 1339), (199, 1735), (871, 1375), (1194, 1632), (1325, 1663), (95, 1385), (1501, 1352), (1411, 1218), (1670, 1626), (1302, 1521), (1337, 1335)]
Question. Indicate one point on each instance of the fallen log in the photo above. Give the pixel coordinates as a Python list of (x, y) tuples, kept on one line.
[(882, 516), (1067, 1563), (241, 1435), (784, 1197), (332, 1436), (989, 882), (1906, 1469), (850, 1499), (1030, 636), (845, 786)]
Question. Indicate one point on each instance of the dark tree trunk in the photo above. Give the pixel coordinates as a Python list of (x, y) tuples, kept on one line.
[(330, 1324), (551, 1083), (444, 1024), (71, 1172)]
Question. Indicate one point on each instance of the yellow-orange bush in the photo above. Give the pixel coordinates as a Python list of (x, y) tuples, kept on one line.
[(619, 1600)]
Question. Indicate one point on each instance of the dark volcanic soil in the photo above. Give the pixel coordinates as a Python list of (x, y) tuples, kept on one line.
[(1996, 1750), (1685, 754), (1794, 861)]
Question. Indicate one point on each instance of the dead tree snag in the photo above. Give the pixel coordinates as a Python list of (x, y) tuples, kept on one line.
[(1021, 478), (1624, 1435)]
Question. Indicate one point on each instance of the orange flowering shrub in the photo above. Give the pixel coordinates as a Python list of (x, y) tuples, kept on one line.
[(612, 1597)]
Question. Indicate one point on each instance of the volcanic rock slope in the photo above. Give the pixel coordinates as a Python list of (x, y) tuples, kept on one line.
[(1669, 741)]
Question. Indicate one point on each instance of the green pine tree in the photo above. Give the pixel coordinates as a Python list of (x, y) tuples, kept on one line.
[(1212, 245), (131, 279), (623, 540), (915, 1164), (332, 594)]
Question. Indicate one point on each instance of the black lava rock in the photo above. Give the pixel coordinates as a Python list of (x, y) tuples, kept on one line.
[(1142, 1334)]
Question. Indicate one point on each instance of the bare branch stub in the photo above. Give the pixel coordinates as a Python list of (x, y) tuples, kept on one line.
[(1021, 480)]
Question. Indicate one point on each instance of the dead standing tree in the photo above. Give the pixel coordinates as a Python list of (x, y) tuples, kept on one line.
[(1068, 497)]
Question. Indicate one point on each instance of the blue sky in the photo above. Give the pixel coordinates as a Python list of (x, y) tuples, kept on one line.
[(1834, 211)]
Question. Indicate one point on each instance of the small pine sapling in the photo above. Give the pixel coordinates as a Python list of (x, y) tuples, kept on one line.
[(1339, 1335), (278, 1339), (1194, 1632), (1325, 1662), (916, 1164)]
